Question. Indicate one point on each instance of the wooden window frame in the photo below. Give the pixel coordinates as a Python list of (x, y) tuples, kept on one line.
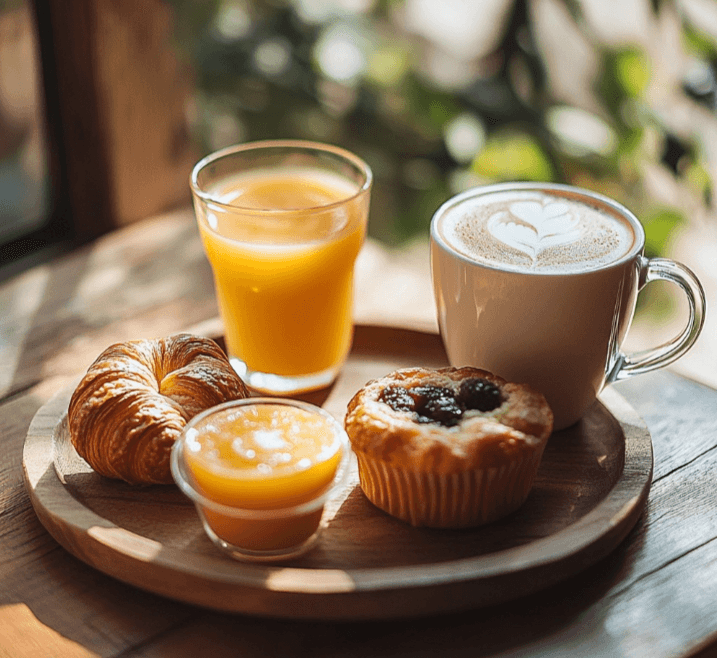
[(116, 100)]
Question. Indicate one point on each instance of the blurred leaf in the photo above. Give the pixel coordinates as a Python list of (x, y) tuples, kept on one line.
[(418, 208), (699, 179), (513, 156), (659, 228), (430, 107), (633, 71), (624, 75), (388, 65), (698, 42)]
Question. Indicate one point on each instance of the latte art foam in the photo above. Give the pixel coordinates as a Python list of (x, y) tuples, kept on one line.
[(536, 231)]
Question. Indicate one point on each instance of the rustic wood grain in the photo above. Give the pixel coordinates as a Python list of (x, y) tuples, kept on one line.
[(146, 280), (653, 596), (152, 279), (590, 490), (44, 591)]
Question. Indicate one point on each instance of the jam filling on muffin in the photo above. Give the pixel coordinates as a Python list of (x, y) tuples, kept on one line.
[(445, 406)]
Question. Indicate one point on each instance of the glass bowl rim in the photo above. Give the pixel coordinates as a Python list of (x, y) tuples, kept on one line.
[(288, 144), (178, 466)]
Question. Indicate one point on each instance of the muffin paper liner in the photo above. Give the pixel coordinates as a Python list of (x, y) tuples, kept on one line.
[(456, 500)]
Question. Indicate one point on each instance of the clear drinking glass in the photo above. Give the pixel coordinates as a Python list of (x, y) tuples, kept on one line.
[(282, 223)]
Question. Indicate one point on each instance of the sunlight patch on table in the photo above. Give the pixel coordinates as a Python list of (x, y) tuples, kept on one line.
[(19, 302), (22, 635)]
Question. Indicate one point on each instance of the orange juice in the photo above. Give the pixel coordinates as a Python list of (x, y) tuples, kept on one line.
[(268, 461), (282, 244)]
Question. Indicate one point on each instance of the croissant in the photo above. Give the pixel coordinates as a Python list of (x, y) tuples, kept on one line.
[(136, 398)]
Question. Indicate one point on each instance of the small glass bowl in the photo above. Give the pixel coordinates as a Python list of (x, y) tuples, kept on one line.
[(261, 535)]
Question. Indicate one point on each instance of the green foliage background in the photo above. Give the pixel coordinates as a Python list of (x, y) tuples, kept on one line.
[(399, 119)]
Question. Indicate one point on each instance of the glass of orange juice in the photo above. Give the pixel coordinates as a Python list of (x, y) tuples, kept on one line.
[(282, 223), (260, 471)]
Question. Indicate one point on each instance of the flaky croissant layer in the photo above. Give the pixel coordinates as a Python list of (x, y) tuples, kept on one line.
[(136, 398)]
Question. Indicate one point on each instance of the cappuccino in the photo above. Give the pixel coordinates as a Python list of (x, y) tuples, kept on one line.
[(537, 283), (544, 232)]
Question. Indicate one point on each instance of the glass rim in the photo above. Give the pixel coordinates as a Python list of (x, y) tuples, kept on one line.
[(178, 465), (296, 144), (579, 194)]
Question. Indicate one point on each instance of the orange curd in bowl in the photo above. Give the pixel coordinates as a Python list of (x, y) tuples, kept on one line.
[(262, 460)]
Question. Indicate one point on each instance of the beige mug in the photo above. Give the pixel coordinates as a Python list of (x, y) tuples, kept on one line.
[(538, 282)]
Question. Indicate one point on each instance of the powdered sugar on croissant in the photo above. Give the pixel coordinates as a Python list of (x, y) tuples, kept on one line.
[(137, 397)]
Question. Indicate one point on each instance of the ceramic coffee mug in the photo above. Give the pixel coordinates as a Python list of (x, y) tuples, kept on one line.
[(538, 283)]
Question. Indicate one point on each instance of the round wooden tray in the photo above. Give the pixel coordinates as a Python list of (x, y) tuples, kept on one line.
[(591, 488)]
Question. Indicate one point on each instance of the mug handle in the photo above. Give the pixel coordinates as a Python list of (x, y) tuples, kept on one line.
[(664, 269)]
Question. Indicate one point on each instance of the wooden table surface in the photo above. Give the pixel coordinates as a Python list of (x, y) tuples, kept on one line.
[(654, 596)]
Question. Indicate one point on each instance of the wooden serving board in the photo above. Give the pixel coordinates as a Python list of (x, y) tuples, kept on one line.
[(590, 490)]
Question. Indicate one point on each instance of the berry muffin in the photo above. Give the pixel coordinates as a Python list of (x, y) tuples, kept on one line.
[(447, 448)]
